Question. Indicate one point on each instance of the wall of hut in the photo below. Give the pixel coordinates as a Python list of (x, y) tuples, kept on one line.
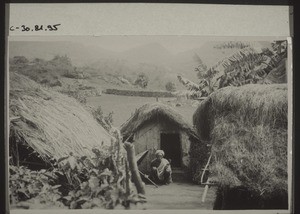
[(148, 138)]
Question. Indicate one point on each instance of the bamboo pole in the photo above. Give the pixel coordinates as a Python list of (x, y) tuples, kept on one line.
[(149, 179), (204, 193), (207, 182), (205, 168), (134, 168)]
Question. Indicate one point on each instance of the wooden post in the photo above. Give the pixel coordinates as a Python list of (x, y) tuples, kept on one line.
[(137, 180), (127, 185), (119, 141), (118, 137)]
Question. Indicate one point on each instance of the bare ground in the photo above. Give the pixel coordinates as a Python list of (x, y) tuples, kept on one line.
[(179, 196)]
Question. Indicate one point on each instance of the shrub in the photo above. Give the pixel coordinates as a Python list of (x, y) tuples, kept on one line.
[(170, 86), (74, 183), (104, 121), (17, 60), (142, 80)]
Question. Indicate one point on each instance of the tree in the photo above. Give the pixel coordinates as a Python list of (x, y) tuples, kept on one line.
[(17, 60), (63, 66), (64, 60), (170, 86), (142, 80)]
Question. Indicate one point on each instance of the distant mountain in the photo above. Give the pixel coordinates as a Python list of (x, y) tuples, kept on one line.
[(149, 53)]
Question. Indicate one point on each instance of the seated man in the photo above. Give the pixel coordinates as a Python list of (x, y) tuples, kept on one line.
[(160, 169)]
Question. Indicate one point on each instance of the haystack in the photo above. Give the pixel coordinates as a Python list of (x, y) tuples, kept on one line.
[(247, 129), (51, 124)]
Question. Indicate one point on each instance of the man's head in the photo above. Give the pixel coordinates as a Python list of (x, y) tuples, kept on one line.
[(159, 154)]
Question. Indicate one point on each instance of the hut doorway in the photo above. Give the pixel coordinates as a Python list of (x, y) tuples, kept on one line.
[(170, 143)]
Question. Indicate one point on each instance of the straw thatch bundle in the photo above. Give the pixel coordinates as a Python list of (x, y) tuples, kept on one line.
[(152, 111), (50, 123), (247, 128)]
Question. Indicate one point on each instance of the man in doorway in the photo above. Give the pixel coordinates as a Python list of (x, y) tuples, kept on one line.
[(161, 169)]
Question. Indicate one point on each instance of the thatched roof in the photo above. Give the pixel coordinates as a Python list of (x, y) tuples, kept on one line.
[(247, 128), (51, 123), (152, 111)]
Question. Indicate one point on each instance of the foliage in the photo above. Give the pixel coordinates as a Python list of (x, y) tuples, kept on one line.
[(232, 44), (74, 183), (105, 121), (142, 80), (19, 60), (43, 71), (193, 88), (62, 63), (109, 118), (170, 86), (79, 91), (75, 93), (25, 184), (246, 66), (202, 68)]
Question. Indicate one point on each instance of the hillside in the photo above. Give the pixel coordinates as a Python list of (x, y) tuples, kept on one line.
[(120, 69)]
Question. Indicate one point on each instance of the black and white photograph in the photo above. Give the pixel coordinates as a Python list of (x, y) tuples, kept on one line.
[(148, 123)]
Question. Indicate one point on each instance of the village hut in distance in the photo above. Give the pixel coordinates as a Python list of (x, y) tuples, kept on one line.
[(158, 126)]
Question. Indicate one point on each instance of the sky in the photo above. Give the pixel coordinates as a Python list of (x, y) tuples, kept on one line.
[(173, 44)]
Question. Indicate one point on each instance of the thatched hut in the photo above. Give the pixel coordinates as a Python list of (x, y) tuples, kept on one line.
[(247, 129), (47, 125), (158, 126)]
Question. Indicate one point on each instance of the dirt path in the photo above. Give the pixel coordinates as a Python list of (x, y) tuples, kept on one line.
[(179, 196)]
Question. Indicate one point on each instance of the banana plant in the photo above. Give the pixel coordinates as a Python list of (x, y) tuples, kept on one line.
[(248, 65)]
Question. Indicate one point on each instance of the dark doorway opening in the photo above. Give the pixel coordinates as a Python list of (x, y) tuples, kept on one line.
[(170, 143), (23, 155)]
